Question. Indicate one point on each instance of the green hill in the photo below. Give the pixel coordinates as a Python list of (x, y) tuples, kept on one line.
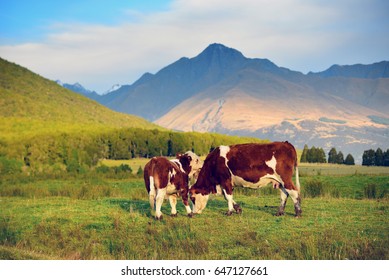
[(31, 105)]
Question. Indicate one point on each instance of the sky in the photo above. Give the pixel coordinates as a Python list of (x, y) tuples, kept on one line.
[(101, 43)]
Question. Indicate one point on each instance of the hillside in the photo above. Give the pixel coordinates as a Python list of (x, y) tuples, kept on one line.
[(221, 90), (31, 104)]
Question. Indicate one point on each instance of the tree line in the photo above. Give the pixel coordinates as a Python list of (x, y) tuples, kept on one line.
[(375, 158), (317, 155), (76, 152)]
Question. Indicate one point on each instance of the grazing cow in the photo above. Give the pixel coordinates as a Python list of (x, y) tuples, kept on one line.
[(170, 178), (247, 165)]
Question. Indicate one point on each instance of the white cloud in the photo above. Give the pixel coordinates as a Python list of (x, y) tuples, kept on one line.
[(301, 35)]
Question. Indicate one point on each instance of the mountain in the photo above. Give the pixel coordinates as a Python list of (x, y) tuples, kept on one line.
[(221, 90), (154, 95), (78, 88), (113, 88), (371, 71), (31, 104)]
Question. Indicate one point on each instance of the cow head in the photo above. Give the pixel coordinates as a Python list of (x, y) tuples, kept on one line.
[(199, 200), (191, 163)]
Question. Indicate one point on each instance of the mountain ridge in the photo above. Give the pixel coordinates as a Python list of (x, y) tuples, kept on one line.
[(366, 71), (221, 90)]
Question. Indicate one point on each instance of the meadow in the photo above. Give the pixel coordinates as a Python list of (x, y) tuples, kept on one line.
[(92, 216)]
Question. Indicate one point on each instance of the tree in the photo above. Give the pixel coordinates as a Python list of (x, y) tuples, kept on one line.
[(379, 157), (332, 155), (349, 160), (169, 148), (321, 155), (340, 158), (368, 157), (304, 154), (311, 155), (386, 158)]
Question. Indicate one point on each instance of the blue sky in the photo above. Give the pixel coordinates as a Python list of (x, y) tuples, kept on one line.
[(23, 20), (101, 43)]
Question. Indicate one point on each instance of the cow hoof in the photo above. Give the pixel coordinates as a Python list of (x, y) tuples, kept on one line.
[(229, 213), (190, 215), (173, 215), (279, 214), (298, 214), (158, 218), (238, 209)]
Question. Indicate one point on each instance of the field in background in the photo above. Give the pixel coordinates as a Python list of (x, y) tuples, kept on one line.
[(313, 169), (93, 217), (305, 169), (134, 164)]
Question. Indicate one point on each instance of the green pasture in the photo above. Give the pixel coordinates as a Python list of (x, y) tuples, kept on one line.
[(92, 217)]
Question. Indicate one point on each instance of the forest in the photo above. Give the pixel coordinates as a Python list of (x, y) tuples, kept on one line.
[(78, 152)]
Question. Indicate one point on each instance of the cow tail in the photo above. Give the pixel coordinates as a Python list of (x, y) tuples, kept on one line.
[(297, 177), (152, 192)]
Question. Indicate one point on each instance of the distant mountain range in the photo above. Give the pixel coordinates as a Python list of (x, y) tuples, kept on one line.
[(221, 90)]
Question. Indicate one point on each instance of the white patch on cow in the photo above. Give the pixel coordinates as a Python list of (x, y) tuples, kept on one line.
[(152, 193), (272, 163), (223, 151), (172, 173), (178, 163), (171, 188), (284, 197), (230, 201), (161, 193), (294, 195), (173, 203), (196, 164), (200, 203), (218, 190), (188, 210), (262, 182)]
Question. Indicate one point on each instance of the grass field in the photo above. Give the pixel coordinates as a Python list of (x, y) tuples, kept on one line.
[(89, 217), (306, 169)]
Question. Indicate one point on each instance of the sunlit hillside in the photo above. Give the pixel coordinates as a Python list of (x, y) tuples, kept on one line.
[(31, 104)]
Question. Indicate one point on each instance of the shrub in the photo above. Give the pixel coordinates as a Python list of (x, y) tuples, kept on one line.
[(102, 169), (139, 173), (313, 188), (371, 191), (10, 166), (122, 168)]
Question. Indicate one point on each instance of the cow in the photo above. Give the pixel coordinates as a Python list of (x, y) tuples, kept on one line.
[(248, 165), (170, 178)]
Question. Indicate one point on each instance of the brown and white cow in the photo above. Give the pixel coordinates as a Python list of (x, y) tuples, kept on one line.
[(170, 178), (248, 165)]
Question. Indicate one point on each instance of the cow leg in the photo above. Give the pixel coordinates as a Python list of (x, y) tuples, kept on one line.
[(232, 205), (297, 202), (173, 203), (185, 200), (161, 193), (230, 202), (284, 197)]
